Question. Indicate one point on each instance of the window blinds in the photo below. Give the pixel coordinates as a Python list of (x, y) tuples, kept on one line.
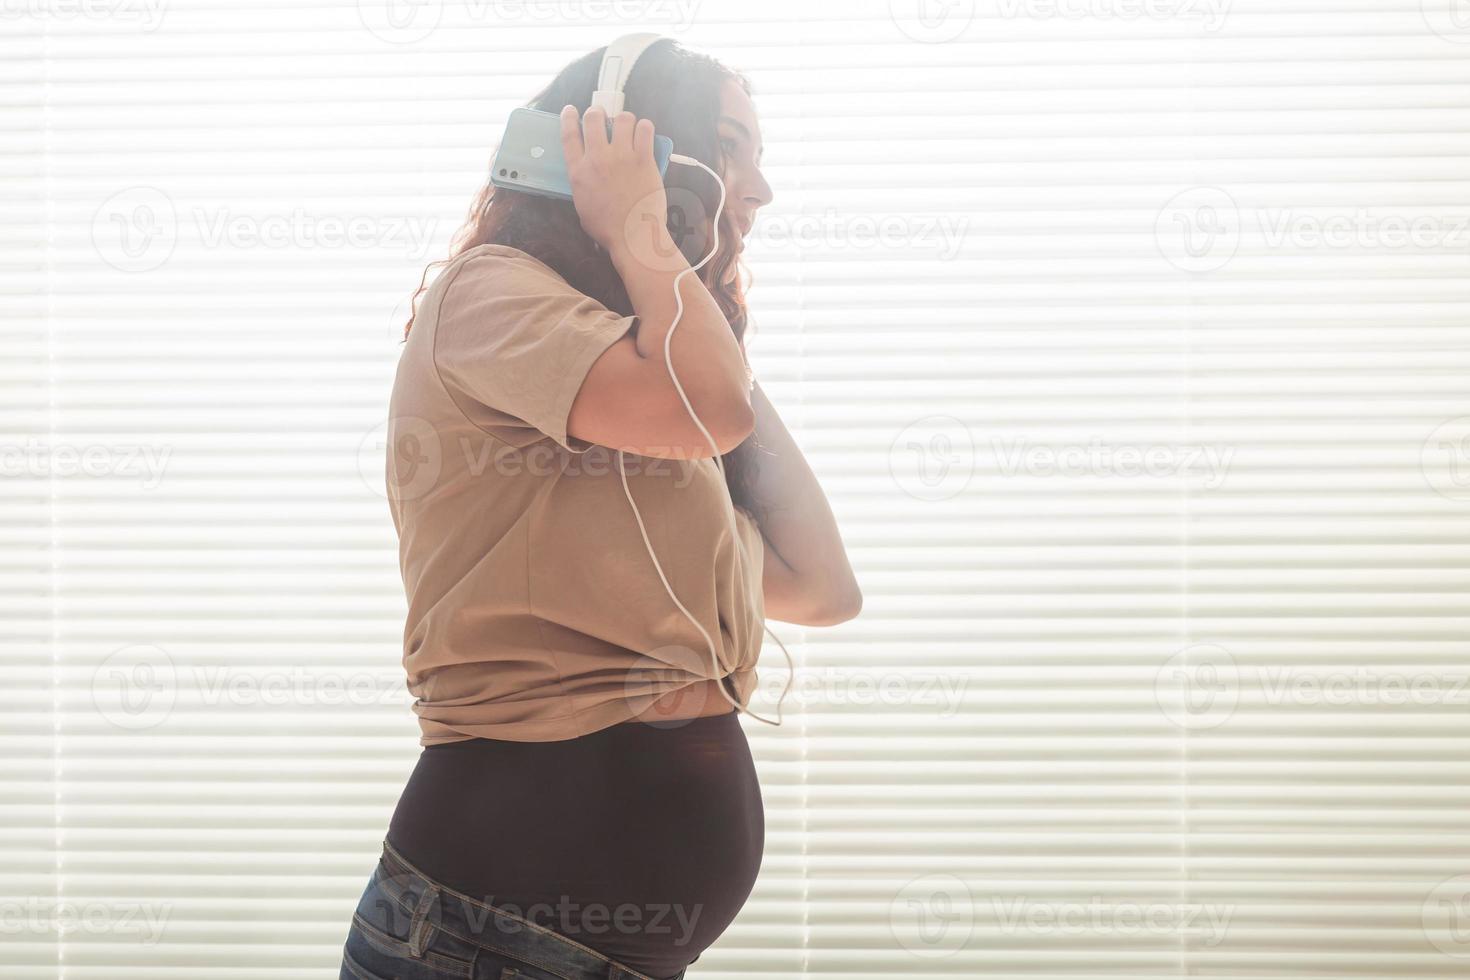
[(1129, 340)]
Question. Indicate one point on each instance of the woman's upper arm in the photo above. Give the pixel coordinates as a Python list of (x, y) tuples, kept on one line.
[(628, 401), (514, 341)]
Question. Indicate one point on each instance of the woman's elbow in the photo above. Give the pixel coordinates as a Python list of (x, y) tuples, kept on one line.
[(838, 609)]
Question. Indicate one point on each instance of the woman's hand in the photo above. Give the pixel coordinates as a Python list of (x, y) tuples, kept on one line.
[(616, 187)]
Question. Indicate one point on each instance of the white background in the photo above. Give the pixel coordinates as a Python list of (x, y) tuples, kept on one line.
[(1129, 340)]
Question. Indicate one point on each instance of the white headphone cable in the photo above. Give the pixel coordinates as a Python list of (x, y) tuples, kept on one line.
[(719, 464)]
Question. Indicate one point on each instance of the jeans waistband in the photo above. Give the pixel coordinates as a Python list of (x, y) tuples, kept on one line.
[(488, 927)]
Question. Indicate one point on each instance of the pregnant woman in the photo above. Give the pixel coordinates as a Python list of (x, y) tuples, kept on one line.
[(585, 804)]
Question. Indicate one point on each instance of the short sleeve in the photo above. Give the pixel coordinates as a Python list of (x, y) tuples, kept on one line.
[(514, 341)]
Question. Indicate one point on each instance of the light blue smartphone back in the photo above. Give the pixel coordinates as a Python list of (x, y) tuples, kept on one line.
[(530, 157)]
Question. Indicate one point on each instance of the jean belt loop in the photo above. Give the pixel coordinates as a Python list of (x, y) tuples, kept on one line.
[(421, 928)]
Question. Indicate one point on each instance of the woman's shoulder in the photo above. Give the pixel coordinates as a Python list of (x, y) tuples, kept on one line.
[(491, 275), (495, 261)]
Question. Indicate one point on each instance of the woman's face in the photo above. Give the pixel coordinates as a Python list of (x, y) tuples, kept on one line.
[(746, 190)]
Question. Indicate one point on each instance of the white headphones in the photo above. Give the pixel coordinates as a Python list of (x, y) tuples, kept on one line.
[(617, 64)]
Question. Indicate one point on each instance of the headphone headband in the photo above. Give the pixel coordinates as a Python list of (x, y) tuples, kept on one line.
[(617, 64)]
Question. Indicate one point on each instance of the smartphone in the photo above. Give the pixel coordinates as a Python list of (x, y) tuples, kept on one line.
[(530, 157)]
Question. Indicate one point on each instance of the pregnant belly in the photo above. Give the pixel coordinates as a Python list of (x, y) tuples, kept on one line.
[(642, 841)]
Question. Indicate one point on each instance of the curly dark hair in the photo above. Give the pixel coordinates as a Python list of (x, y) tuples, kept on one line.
[(679, 91)]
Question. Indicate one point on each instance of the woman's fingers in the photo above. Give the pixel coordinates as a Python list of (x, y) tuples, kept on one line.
[(615, 186), (643, 138), (571, 135), (594, 129), (622, 136), (591, 135)]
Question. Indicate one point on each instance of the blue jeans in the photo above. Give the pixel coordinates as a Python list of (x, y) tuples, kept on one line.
[(409, 927)]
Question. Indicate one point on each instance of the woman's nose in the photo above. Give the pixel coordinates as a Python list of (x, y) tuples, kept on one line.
[(758, 194)]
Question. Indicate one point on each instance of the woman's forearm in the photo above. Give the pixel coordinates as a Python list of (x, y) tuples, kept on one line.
[(706, 355), (808, 578)]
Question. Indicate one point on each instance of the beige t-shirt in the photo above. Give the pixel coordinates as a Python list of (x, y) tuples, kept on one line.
[(534, 610)]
